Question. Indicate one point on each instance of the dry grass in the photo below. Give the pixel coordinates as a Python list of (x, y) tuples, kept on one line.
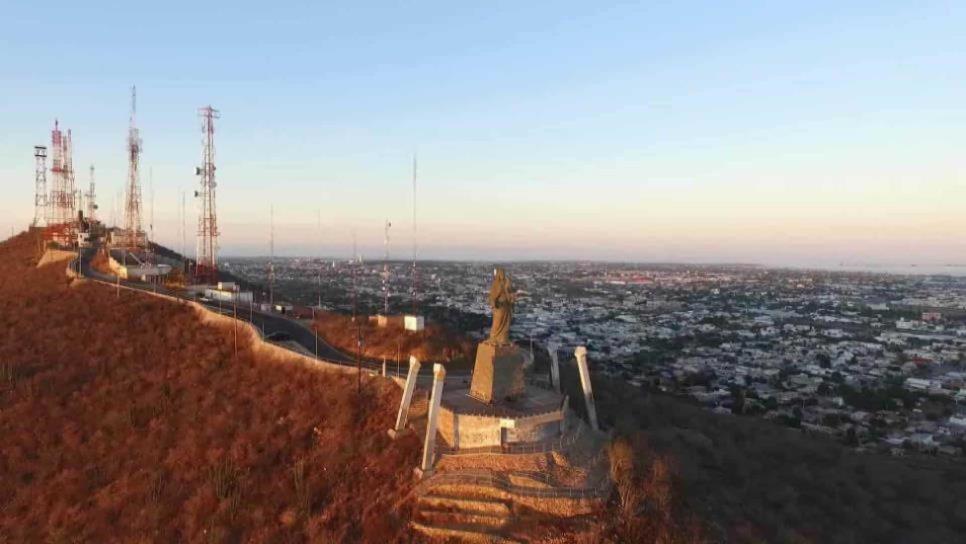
[(435, 344), (130, 420)]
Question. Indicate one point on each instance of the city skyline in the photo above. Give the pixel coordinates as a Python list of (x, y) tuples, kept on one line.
[(806, 136)]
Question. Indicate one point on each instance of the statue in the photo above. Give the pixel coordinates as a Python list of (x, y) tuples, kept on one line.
[(502, 298), (498, 372)]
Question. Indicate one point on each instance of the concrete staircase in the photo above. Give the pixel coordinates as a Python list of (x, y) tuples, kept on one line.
[(462, 518)]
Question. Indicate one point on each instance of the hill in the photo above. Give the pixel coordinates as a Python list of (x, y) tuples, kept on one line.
[(127, 419), (751, 480), (436, 343)]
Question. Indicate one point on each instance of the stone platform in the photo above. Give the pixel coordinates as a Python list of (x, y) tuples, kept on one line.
[(465, 422), (498, 373)]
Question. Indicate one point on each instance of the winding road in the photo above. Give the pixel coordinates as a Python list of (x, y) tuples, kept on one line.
[(269, 324)]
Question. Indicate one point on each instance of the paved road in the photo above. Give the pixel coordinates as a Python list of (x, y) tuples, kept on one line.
[(269, 324)]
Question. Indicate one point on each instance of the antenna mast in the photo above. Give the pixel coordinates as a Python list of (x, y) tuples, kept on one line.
[(385, 273), (319, 218), (183, 228), (206, 262), (132, 207), (40, 181), (415, 280), (271, 255), (91, 198), (150, 212)]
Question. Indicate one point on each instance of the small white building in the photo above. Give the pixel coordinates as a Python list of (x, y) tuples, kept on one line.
[(414, 323), (229, 295)]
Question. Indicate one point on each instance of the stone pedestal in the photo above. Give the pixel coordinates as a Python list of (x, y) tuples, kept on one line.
[(498, 373)]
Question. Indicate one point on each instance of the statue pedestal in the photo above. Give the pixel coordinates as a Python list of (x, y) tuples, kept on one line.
[(498, 373)]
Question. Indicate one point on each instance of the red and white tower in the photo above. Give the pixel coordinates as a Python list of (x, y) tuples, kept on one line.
[(40, 181), (133, 233), (61, 203), (206, 257)]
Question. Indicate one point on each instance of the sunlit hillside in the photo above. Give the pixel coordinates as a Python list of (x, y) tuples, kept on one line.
[(127, 419)]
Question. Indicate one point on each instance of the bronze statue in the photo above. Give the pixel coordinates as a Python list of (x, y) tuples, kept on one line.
[(502, 298)]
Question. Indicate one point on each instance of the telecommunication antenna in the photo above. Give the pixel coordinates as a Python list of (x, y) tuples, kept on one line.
[(415, 246), (206, 262), (91, 198), (151, 212), (385, 273), (319, 226), (132, 205), (183, 228), (271, 255), (40, 182), (355, 301)]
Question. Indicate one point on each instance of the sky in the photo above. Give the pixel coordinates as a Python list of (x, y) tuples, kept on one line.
[(780, 133)]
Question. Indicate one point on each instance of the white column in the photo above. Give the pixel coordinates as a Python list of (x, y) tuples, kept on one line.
[(553, 347), (407, 397), (581, 354), (429, 446), (383, 368)]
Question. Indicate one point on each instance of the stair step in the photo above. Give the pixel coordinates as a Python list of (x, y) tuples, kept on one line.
[(476, 505), (463, 533), (450, 518)]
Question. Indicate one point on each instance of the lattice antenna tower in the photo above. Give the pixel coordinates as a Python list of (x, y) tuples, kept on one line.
[(207, 251), (150, 238), (91, 198), (62, 191), (56, 174), (40, 182), (133, 231), (385, 272), (70, 189)]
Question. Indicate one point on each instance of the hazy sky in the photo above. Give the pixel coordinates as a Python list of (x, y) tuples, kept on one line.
[(771, 132)]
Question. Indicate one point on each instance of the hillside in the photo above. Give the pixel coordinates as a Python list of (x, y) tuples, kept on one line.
[(129, 420), (751, 480), (436, 343)]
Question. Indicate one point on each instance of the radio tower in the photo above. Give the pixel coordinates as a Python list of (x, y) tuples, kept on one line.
[(206, 265), (415, 280), (133, 233), (271, 255), (91, 195), (40, 179), (385, 273)]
